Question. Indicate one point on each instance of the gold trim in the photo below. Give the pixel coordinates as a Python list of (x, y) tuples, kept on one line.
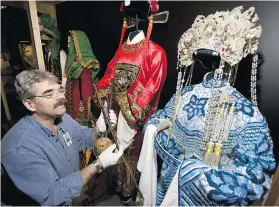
[(123, 102), (134, 47), (88, 109), (79, 59), (134, 106), (124, 22), (100, 94)]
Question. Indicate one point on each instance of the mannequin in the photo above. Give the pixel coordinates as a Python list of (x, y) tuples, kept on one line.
[(63, 59), (51, 35), (214, 143), (60, 73), (133, 34), (136, 76), (135, 37)]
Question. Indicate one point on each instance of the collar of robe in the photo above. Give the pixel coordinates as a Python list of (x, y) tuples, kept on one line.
[(208, 81)]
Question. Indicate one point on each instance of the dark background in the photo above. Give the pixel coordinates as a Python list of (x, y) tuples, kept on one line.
[(102, 22)]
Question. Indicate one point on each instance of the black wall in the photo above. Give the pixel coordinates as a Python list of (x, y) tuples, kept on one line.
[(102, 23)]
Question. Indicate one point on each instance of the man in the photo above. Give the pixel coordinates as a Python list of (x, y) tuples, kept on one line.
[(41, 152)]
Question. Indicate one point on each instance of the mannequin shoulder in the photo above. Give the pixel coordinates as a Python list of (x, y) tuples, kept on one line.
[(63, 53)]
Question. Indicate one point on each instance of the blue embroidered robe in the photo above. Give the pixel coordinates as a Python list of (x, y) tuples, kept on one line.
[(247, 162)]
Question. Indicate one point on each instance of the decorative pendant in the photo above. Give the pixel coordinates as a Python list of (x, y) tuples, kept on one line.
[(209, 152), (216, 156)]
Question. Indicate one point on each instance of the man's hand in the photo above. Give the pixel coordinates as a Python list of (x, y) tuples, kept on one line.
[(101, 125), (110, 158)]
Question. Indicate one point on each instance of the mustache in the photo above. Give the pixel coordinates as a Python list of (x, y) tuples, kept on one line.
[(60, 102)]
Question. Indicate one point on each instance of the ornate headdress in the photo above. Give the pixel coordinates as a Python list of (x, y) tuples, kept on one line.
[(233, 34)]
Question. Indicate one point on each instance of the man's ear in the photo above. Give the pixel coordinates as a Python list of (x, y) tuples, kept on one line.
[(29, 104)]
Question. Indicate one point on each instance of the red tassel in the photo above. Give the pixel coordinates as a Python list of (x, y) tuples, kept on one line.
[(122, 6), (154, 6)]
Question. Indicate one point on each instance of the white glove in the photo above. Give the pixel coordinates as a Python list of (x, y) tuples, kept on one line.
[(101, 121), (110, 158)]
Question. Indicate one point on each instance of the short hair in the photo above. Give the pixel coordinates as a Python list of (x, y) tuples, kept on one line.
[(24, 82)]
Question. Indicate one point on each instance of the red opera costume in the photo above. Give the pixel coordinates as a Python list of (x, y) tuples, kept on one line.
[(137, 74)]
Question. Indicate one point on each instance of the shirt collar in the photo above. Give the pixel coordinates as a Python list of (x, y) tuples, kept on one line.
[(34, 122)]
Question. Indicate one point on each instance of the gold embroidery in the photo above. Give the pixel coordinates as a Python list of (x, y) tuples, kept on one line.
[(79, 57), (127, 108), (81, 110), (125, 75), (88, 115), (123, 102), (100, 94), (133, 47), (134, 105)]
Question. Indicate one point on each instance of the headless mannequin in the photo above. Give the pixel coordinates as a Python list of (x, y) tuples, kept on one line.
[(135, 37), (135, 34), (63, 58), (208, 59)]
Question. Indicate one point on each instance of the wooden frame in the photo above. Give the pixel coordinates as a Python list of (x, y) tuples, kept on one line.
[(32, 7)]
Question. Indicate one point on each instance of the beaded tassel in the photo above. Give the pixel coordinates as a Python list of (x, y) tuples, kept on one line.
[(209, 152), (216, 156), (254, 80)]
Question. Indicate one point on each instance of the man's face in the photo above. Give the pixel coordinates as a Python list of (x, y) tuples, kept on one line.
[(49, 99)]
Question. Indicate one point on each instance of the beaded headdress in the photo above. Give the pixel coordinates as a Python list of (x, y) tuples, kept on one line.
[(233, 34)]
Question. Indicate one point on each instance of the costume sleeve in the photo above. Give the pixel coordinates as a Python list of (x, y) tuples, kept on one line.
[(102, 88), (35, 176), (246, 179), (143, 98)]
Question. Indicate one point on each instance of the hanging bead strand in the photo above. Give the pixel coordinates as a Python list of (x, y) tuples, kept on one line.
[(254, 80)]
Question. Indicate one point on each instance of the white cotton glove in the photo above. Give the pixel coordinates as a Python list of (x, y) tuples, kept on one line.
[(101, 121), (110, 158)]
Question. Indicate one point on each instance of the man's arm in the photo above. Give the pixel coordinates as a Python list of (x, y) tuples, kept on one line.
[(36, 177), (89, 172)]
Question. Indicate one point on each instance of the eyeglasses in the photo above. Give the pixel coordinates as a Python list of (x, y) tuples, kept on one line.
[(53, 94)]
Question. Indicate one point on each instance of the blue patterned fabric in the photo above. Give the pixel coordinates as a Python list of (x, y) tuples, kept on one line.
[(247, 161), (195, 107)]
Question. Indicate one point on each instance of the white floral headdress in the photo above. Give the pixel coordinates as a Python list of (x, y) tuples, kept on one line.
[(234, 34)]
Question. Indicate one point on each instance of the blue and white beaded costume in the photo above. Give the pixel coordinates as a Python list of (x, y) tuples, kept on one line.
[(244, 172)]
